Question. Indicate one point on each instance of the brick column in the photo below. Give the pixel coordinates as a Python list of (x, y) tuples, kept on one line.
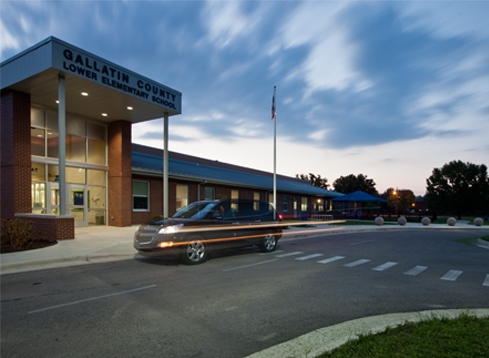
[(120, 174), (15, 157)]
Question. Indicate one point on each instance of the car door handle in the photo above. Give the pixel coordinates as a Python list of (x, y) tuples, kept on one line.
[(258, 221), (236, 223)]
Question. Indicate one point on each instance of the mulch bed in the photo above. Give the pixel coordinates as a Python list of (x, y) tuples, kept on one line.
[(6, 247)]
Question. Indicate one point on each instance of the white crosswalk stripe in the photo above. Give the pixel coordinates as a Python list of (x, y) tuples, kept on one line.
[(385, 266), (270, 253), (308, 257), (451, 275), (291, 254), (356, 263), (331, 259), (416, 270)]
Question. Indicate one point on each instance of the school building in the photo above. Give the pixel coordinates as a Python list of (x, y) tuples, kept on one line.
[(67, 159)]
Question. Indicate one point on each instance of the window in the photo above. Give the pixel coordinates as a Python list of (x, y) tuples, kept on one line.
[(270, 198), (234, 196), (85, 141), (75, 148), (75, 175), (303, 203), (210, 194), (37, 142), (182, 196), (286, 203), (256, 201), (38, 198), (320, 205), (140, 195)]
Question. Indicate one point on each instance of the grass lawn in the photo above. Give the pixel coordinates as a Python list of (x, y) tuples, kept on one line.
[(464, 336), (361, 222)]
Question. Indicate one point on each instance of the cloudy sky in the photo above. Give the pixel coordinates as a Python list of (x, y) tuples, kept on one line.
[(388, 89)]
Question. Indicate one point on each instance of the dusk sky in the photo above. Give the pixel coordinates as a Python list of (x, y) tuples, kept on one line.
[(388, 89)]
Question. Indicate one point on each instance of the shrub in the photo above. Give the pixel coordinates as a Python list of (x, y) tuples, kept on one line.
[(18, 232)]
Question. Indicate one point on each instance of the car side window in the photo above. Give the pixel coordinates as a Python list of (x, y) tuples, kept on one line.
[(246, 209), (224, 211), (266, 209)]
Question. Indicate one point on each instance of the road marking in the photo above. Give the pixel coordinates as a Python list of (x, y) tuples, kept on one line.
[(356, 263), (270, 253), (291, 254), (416, 270), (451, 275), (331, 259), (486, 281), (385, 266), (361, 242), (308, 257), (92, 299), (246, 266)]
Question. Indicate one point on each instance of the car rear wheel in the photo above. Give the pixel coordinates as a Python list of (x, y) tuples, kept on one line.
[(195, 252), (269, 243)]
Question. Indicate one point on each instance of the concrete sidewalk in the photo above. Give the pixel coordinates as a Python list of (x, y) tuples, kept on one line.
[(103, 243), (95, 244)]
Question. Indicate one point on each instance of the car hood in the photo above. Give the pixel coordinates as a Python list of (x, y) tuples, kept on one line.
[(179, 221)]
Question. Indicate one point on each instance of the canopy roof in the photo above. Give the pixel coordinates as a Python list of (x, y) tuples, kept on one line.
[(110, 92), (359, 196)]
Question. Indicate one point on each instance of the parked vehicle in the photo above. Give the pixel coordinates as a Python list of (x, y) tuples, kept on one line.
[(196, 230)]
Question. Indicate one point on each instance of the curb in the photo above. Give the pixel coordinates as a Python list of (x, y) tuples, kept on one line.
[(326, 339), (483, 242)]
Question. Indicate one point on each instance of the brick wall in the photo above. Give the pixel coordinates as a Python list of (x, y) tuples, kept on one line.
[(120, 174), (15, 157), (51, 227)]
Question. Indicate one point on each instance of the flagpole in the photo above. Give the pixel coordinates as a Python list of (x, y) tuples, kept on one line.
[(274, 116)]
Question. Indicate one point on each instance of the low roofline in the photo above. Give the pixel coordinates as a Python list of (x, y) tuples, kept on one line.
[(241, 174)]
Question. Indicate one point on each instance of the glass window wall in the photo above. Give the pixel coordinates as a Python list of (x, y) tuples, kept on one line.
[(85, 141), (75, 175)]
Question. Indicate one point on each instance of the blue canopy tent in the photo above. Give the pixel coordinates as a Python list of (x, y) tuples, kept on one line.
[(356, 198)]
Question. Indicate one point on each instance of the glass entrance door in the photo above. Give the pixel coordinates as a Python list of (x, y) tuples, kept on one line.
[(76, 202), (77, 196), (52, 206)]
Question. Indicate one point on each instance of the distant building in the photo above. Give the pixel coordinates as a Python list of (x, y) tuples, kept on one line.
[(55, 93)]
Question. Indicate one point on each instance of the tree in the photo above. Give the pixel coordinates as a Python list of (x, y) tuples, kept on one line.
[(315, 180), (352, 183), (402, 199), (458, 188)]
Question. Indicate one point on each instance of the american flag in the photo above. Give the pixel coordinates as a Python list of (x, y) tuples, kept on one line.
[(273, 103)]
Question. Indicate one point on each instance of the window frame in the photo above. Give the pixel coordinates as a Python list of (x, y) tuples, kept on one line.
[(141, 196)]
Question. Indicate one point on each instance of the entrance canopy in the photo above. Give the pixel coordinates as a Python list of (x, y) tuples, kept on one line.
[(95, 88)]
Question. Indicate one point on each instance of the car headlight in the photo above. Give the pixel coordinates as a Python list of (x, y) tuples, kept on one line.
[(170, 229)]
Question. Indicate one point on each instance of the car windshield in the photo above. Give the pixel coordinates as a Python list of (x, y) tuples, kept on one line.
[(195, 211)]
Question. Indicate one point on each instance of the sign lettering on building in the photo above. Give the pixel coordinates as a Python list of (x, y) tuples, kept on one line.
[(80, 64)]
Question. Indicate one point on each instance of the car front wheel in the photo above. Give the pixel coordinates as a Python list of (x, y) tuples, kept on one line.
[(195, 252), (269, 243)]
